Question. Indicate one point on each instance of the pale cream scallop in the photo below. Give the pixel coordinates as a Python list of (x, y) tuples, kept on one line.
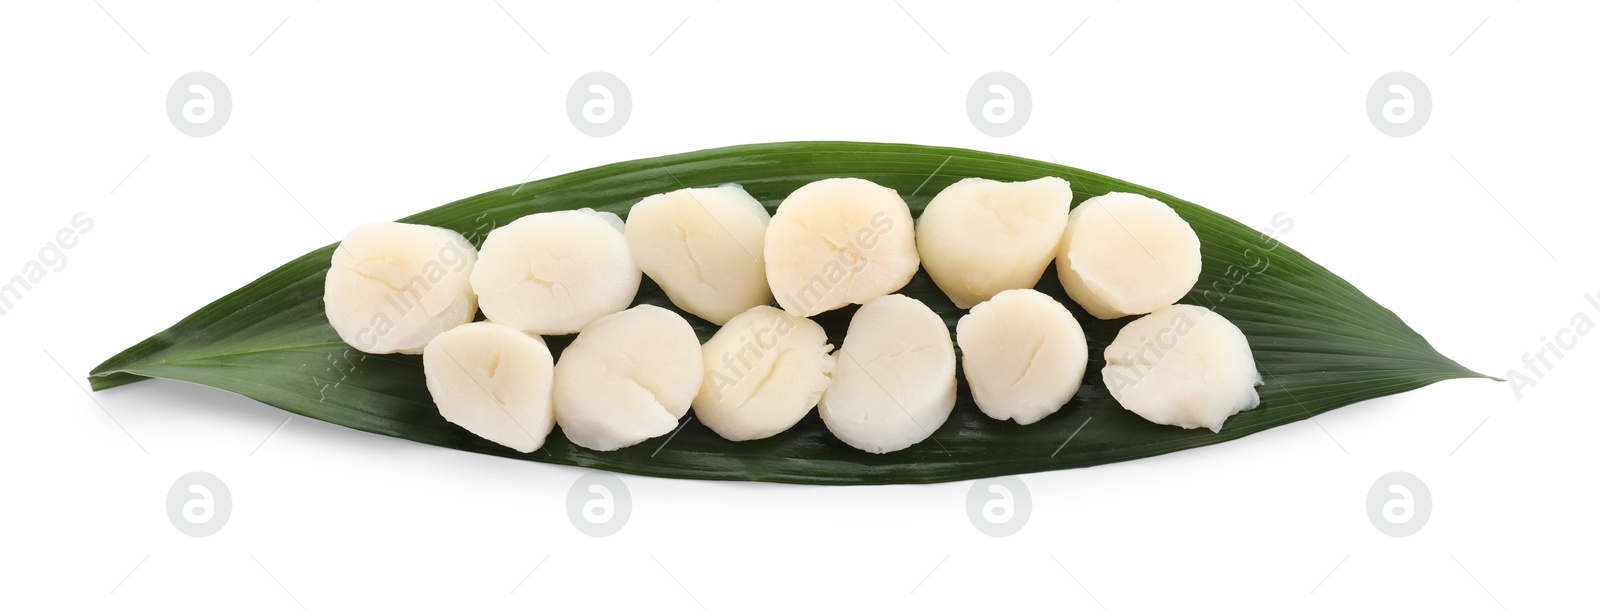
[(703, 246), (1184, 366), (1023, 355), (839, 241), (1125, 254), (978, 237), (494, 381), (554, 272), (896, 379), (392, 287), (764, 371), (627, 377)]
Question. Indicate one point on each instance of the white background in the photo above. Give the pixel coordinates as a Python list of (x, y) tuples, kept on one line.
[(349, 113)]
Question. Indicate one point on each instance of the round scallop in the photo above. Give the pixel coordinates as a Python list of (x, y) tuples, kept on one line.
[(1124, 254), (1183, 366), (1023, 355), (978, 237), (627, 377), (393, 287), (764, 370), (494, 381), (839, 241), (704, 247), (554, 272), (896, 378)]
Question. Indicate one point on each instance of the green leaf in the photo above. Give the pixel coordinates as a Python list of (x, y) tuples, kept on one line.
[(1319, 342)]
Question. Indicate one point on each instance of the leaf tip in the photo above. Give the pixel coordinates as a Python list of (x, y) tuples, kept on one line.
[(105, 380)]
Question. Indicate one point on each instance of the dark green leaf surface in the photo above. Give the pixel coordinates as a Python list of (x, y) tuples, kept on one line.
[(1319, 342)]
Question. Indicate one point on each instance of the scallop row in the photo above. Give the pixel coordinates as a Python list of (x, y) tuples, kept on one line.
[(632, 374)]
